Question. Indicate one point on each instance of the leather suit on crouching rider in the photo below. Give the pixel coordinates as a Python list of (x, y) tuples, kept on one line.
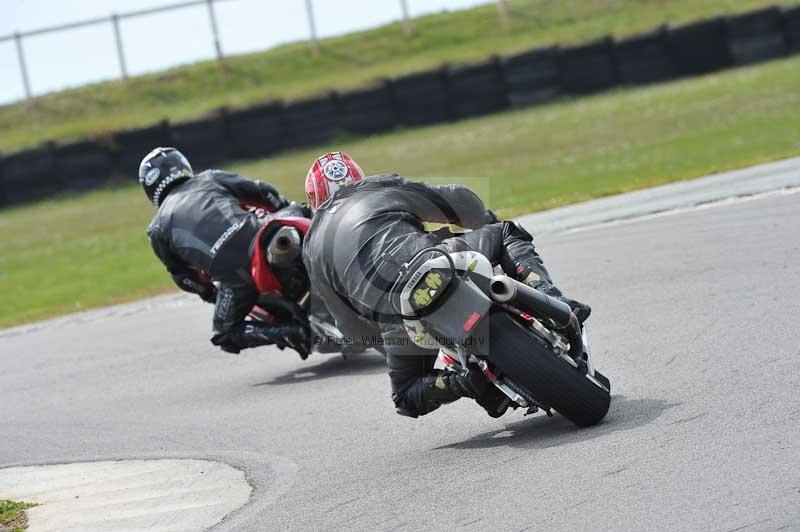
[(204, 235), (362, 232)]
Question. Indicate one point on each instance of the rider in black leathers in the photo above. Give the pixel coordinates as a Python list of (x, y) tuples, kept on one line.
[(201, 226), (358, 240)]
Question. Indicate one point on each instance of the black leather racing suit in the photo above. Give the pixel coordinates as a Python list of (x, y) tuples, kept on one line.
[(201, 226), (360, 238)]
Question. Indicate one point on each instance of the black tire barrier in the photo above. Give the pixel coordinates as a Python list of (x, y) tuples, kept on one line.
[(314, 121), (368, 111), (3, 200), (30, 175), (791, 28), (418, 99), (83, 165), (204, 142), (700, 47), (258, 131), (756, 36), (421, 98), (644, 58), (477, 89), (588, 68), (133, 144), (532, 77)]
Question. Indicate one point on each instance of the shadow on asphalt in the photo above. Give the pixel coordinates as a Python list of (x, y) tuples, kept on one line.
[(542, 432), (333, 366)]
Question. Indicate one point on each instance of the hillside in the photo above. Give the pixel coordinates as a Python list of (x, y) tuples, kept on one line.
[(352, 60)]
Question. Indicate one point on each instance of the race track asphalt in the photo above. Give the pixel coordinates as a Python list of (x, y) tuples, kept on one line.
[(695, 321)]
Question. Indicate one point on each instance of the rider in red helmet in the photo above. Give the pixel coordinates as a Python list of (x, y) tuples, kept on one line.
[(362, 232), (328, 174)]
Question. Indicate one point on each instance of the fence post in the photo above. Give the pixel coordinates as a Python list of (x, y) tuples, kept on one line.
[(407, 27), (312, 26), (22, 66), (120, 51), (212, 17), (502, 9)]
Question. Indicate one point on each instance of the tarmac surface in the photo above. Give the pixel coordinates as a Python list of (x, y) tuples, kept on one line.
[(695, 322)]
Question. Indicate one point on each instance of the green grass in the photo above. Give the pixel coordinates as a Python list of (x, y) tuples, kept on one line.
[(353, 60), (74, 253), (12, 514)]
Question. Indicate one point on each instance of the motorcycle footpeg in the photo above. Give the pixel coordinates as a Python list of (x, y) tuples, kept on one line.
[(531, 410)]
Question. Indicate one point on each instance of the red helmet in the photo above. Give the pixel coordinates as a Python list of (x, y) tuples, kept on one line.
[(328, 174)]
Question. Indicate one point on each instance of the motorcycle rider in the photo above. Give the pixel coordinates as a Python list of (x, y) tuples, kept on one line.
[(363, 230), (201, 226)]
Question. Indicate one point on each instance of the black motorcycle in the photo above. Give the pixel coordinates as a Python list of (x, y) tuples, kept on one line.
[(528, 344)]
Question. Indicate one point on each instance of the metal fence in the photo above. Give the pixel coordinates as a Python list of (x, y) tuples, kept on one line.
[(533, 77), (114, 20)]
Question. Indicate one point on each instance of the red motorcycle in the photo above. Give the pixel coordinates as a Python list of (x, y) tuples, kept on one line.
[(283, 285)]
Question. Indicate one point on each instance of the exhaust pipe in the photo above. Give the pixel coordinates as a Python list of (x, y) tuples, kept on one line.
[(284, 247), (504, 289)]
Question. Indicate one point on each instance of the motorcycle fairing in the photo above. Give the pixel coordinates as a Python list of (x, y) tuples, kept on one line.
[(263, 276)]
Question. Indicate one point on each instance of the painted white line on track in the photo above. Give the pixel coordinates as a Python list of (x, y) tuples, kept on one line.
[(124, 309), (671, 197), (726, 202)]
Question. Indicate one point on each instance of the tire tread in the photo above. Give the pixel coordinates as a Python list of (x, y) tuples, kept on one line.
[(518, 353)]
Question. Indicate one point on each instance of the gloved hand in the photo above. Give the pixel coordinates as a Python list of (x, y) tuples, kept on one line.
[(296, 336), (251, 334)]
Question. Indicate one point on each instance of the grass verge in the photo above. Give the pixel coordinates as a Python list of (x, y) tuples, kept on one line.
[(348, 61), (74, 253), (12, 516)]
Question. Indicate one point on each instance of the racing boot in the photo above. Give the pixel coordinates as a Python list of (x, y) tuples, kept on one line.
[(494, 402), (248, 335), (446, 387), (519, 259)]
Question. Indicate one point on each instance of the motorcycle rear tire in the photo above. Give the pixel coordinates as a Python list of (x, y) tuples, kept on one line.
[(525, 358)]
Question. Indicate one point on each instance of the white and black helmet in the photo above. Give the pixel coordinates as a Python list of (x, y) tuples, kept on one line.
[(161, 170)]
